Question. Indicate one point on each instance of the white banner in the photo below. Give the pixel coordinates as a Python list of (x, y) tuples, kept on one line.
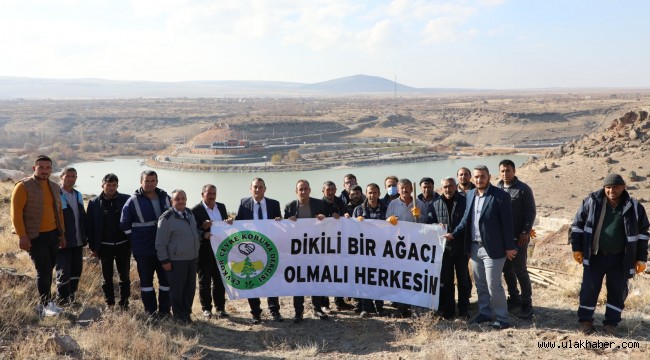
[(369, 259)]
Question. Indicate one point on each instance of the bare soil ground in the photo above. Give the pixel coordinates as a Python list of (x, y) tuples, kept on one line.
[(560, 180)]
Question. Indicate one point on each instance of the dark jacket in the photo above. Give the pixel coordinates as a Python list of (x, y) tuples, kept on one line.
[(523, 206), (291, 209), (367, 213), (427, 203), (95, 221), (438, 213), (337, 206), (247, 206), (635, 221), (139, 221), (495, 222), (387, 199), (201, 216), (70, 224)]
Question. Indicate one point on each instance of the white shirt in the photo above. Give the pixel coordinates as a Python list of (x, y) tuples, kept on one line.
[(256, 210), (398, 208), (214, 215), (478, 207)]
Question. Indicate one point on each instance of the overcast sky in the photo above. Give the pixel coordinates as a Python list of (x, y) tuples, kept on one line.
[(498, 44)]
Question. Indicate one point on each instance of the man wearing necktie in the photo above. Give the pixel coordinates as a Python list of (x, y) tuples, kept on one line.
[(177, 247), (211, 287), (258, 208)]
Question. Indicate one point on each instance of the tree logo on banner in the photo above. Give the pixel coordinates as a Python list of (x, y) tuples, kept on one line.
[(247, 259)]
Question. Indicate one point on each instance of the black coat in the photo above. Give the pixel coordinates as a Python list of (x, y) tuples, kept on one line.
[(95, 221), (316, 205), (247, 206), (201, 216)]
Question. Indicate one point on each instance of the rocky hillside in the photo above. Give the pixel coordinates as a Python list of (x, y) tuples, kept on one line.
[(568, 173)]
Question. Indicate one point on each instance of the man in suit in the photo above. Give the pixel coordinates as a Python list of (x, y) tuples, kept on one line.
[(488, 218), (258, 207), (305, 207), (207, 212)]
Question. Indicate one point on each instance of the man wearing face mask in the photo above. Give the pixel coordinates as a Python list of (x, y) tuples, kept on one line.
[(390, 184)]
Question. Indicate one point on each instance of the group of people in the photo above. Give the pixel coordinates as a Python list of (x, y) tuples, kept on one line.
[(489, 225)]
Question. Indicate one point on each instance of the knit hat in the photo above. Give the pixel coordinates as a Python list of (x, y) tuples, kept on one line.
[(613, 179)]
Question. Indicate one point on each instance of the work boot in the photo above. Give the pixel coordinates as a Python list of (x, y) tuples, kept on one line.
[(587, 327), (514, 302), (526, 312)]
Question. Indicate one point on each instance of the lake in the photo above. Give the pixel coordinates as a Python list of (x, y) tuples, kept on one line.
[(231, 187)]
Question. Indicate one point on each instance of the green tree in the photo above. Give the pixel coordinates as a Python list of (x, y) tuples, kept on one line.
[(248, 269)]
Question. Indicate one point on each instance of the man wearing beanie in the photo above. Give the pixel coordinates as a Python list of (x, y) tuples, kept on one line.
[(609, 237)]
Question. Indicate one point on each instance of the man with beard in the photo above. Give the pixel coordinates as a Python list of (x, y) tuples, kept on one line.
[(609, 237), (523, 210), (333, 205), (488, 219), (356, 198), (349, 180), (427, 192), (305, 207), (464, 180), (37, 219)]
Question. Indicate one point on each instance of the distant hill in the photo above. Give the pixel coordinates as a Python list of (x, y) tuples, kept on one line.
[(36, 88), (360, 84)]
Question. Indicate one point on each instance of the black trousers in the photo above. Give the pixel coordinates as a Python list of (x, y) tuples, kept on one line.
[(211, 286), (612, 269), (256, 309), (299, 303), (120, 255), (69, 265), (43, 254), (458, 264)]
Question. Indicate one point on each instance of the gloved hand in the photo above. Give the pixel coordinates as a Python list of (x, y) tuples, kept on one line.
[(360, 218), (577, 255), (415, 212), (640, 267), (532, 233), (392, 219)]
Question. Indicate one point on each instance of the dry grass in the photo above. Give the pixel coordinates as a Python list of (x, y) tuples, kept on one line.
[(129, 335)]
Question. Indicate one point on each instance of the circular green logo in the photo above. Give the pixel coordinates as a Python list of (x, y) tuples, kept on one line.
[(247, 259)]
